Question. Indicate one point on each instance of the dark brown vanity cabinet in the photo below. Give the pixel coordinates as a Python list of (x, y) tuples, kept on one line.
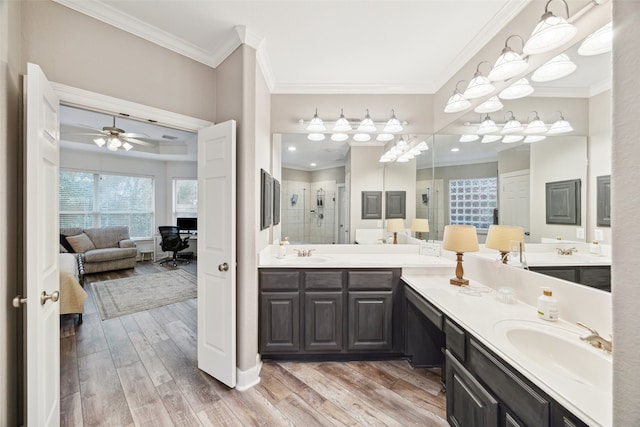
[(595, 276), (329, 312)]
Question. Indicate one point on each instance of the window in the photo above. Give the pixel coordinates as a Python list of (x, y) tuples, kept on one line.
[(185, 198), (100, 200), (472, 201)]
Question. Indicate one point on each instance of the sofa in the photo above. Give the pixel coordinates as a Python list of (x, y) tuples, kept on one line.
[(72, 294), (102, 248)]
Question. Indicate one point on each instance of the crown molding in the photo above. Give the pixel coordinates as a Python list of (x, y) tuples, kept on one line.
[(601, 86)]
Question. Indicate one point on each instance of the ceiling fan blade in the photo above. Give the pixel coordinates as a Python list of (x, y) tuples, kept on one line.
[(137, 141)]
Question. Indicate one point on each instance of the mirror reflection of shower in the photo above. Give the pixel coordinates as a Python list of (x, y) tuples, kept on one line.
[(308, 211)]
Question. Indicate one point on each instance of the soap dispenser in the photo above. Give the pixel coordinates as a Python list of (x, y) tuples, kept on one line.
[(547, 305), (282, 250)]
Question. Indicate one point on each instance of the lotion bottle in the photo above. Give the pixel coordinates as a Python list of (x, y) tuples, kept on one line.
[(282, 250), (547, 305), (594, 248)]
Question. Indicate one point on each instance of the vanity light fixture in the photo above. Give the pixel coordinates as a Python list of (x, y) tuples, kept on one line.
[(560, 126), (316, 125), (551, 32), (533, 138), (598, 42), (339, 137), (460, 239), (513, 125), (362, 137), (535, 126), (367, 125), (342, 125), (490, 138), (479, 85), (519, 89), (393, 125), (489, 106), (457, 102), (384, 137), (557, 68), (508, 139), (503, 237), (487, 126), (315, 137), (508, 64), (469, 138)]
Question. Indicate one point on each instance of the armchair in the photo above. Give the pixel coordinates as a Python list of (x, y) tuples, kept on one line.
[(172, 242)]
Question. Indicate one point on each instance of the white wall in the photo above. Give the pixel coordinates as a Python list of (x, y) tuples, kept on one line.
[(599, 152), (367, 174)]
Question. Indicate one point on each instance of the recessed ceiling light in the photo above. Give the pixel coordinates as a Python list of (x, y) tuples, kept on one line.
[(291, 148), (313, 165), (455, 149)]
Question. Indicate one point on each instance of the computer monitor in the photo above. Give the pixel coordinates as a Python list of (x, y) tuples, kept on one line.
[(187, 224)]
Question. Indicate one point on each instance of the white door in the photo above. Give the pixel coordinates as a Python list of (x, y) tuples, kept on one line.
[(514, 199), (217, 251), (41, 274)]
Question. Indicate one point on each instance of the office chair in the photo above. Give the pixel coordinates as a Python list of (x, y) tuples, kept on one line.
[(172, 242)]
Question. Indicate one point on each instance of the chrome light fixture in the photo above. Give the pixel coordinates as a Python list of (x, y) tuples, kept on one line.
[(339, 137), (508, 139), (508, 64), (487, 126), (519, 89), (490, 138), (469, 138), (536, 126), (457, 102), (557, 68), (393, 125), (551, 32), (478, 86), (533, 138), (489, 106), (361, 137), (598, 42), (315, 137), (342, 125), (560, 127), (316, 125), (367, 125), (512, 125)]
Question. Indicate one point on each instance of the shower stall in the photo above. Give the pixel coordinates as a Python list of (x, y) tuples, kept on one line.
[(308, 211)]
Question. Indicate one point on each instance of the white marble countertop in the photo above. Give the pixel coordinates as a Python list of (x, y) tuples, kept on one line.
[(482, 314)]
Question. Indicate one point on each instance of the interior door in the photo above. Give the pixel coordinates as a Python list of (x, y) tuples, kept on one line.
[(217, 251), (514, 199), (41, 270)]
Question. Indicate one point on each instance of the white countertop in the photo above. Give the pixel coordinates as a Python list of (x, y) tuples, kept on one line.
[(480, 314), (552, 259)]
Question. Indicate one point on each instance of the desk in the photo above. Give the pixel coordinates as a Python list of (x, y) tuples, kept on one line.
[(159, 254)]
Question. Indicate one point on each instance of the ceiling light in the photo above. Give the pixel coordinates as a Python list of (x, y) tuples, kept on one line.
[(455, 149), (316, 137), (490, 138), (422, 146), (361, 137), (519, 89), (512, 126), (533, 138), (342, 124), (598, 42), (457, 102), (551, 32), (339, 137), (469, 138), (384, 137), (508, 64), (536, 126), (557, 68), (402, 159), (393, 125), (507, 139), (489, 106), (316, 125), (115, 142), (561, 126), (111, 146), (127, 146), (291, 148), (313, 165), (487, 126), (100, 141), (478, 86), (366, 125)]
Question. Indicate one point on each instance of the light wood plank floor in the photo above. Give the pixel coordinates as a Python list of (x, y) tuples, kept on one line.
[(140, 370)]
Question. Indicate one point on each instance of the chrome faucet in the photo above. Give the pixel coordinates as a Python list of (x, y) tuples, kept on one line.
[(303, 253), (594, 338), (566, 251)]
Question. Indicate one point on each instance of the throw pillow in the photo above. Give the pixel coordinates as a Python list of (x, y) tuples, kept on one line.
[(80, 243), (65, 243), (63, 250)]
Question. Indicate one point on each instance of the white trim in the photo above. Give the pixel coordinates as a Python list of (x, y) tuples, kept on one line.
[(108, 104), (249, 378)]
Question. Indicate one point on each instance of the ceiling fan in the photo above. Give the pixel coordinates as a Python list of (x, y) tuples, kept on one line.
[(115, 138)]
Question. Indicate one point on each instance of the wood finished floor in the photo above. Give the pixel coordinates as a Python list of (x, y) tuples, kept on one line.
[(140, 370)]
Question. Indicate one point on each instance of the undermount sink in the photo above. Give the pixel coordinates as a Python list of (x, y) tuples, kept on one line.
[(557, 350), (304, 260)]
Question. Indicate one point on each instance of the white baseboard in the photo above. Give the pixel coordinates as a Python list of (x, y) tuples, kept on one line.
[(249, 378)]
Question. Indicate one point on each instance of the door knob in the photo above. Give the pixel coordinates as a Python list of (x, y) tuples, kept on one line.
[(18, 301), (223, 267), (55, 295)]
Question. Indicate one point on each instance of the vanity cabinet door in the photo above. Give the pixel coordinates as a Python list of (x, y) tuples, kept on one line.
[(323, 321), (279, 322), (468, 403), (370, 320)]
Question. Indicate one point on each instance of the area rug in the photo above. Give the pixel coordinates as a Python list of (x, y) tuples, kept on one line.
[(138, 293)]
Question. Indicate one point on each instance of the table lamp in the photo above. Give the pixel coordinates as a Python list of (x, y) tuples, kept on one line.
[(501, 237), (420, 225), (393, 226), (460, 239)]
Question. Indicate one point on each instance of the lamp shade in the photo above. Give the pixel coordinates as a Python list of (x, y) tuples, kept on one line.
[(394, 225), (500, 236), (420, 225), (460, 238)]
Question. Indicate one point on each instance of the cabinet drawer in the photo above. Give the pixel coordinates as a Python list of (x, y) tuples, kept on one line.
[(455, 339), (529, 406), (279, 280), (429, 311), (323, 280), (371, 280)]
